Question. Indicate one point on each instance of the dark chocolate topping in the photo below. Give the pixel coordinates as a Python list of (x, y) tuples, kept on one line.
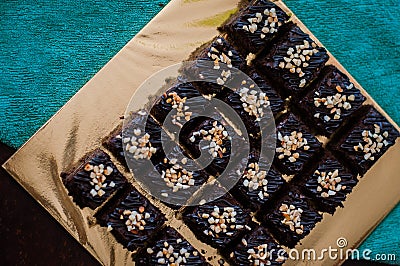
[(81, 185)]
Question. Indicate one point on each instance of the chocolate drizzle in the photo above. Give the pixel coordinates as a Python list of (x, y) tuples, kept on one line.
[(286, 128), (190, 97), (282, 232), (223, 46), (141, 120), (115, 218), (153, 178), (344, 147), (347, 181), (252, 126), (270, 63), (249, 41), (193, 217), (275, 102), (251, 197), (183, 253), (332, 83), (242, 253), (194, 149), (80, 184), (272, 101), (216, 65)]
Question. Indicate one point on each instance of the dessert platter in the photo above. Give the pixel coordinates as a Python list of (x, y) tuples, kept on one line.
[(333, 173)]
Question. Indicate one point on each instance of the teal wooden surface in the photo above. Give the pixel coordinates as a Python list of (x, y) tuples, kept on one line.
[(50, 49)]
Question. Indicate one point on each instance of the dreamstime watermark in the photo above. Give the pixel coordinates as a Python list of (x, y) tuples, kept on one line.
[(339, 252)]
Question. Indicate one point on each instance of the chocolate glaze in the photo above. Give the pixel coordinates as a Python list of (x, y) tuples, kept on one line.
[(276, 103), (253, 127), (252, 42), (114, 143), (239, 254), (161, 108), (329, 204), (273, 219), (170, 236), (78, 181), (201, 68), (192, 217), (223, 46), (268, 63), (199, 176), (324, 87), (233, 100), (343, 143), (285, 127), (151, 179), (249, 198), (218, 164), (110, 215)]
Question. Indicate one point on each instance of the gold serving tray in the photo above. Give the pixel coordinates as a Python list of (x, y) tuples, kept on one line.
[(94, 112)]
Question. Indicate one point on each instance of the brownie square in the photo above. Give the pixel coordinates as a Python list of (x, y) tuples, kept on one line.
[(218, 223), (257, 184), (132, 219), (291, 218), (362, 145), (94, 180), (293, 62), (332, 101), (257, 248), (255, 102), (173, 179), (216, 64), (177, 105), (181, 178), (329, 184), (139, 140), (296, 146), (247, 110), (276, 103), (253, 28), (209, 142), (170, 248)]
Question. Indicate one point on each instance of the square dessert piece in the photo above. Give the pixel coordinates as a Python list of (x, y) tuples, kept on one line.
[(255, 101), (332, 100), (362, 145), (257, 184), (257, 248), (209, 142), (139, 140), (275, 102), (253, 28), (295, 146), (291, 218), (173, 179), (329, 184), (179, 180), (170, 248), (218, 223), (293, 62), (132, 219), (94, 180), (216, 64), (178, 105)]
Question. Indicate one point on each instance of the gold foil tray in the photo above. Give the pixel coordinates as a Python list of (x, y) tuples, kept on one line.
[(94, 112)]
